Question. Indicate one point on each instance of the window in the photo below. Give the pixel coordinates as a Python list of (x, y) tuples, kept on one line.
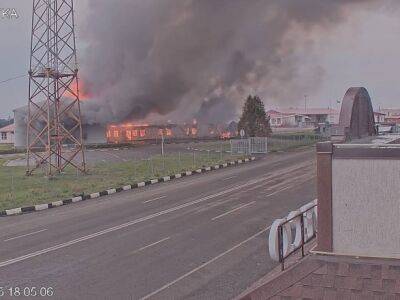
[(4, 136), (116, 133)]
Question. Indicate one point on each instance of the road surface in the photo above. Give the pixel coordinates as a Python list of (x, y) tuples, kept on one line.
[(200, 237)]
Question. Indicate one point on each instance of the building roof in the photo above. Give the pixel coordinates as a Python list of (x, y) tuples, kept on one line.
[(282, 114), (273, 112), (334, 277), (8, 128), (391, 111), (309, 111)]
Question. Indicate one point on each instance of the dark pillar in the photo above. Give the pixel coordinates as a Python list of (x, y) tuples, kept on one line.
[(324, 192)]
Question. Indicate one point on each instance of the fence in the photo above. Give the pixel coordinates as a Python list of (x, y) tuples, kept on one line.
[(16, 189), (284, 142), (249, 146), (302, 222)]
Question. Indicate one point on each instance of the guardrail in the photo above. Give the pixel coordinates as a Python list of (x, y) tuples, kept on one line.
[(287, 235)]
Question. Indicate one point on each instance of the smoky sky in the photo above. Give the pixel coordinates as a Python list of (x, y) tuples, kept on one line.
[(199, 58)]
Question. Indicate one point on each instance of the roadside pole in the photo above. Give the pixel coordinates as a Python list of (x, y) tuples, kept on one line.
[(162, 144)]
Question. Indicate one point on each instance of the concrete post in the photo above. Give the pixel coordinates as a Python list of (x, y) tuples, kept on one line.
[(324, 192)]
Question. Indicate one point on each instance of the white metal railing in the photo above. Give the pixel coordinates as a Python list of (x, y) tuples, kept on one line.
[(287, 235)]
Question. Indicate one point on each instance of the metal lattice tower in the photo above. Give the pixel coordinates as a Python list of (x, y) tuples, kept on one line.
[(54, 128)]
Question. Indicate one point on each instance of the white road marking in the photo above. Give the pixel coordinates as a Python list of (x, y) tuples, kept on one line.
[(133, 222), (233, 210), (229, 178), (203, 265), (290, 186), (150, 245), (217, 203), (20, 236), (151, 200), (124, 225)]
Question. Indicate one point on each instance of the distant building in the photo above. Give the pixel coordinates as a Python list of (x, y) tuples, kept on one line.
[(390, 112), (392, 115), (92, 133), (316, 115), (379, 117), (392, 120), (296, 117), (279, 119), (7, 134)]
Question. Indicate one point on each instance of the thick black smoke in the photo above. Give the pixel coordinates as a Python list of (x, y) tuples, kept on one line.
[(171, 58)]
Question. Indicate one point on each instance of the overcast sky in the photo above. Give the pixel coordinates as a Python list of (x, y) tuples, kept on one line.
[(362, 51)]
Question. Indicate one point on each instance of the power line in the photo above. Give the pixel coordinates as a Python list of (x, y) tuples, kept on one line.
[(13, 78)]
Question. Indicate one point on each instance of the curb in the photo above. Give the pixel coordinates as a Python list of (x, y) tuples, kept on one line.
[(83, 197)]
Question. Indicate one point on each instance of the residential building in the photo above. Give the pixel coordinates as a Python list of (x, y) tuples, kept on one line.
[(379, 117), (390, 112), (7, 134), (316, 115), (296, 117), (279, 119), (392, 115)]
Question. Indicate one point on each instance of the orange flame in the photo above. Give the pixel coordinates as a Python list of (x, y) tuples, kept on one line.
[(83, 94), (225, 135)]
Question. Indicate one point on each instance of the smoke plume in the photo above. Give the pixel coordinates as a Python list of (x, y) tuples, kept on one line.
[(199, 58)]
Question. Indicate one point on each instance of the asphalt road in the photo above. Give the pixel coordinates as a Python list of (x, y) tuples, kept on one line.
[(200, 237)]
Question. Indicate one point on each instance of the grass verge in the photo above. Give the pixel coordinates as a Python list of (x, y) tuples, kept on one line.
[(18, 190), (281, 142)]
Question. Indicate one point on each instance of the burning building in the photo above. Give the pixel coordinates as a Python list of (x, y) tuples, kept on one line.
[(93, 133), (123, 133), (130, 133)]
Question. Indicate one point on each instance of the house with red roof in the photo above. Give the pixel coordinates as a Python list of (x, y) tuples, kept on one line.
[(297, 117), (7, 134)]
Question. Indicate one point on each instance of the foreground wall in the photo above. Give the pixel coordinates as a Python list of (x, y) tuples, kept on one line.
[(359, 199)]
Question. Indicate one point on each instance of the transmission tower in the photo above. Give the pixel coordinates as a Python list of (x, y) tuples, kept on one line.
[(54, 128)]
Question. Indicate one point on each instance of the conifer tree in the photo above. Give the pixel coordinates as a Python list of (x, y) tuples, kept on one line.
[(254, 120)]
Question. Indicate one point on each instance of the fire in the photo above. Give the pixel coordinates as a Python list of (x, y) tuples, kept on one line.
[(83, 93), (133, 125), (225, 135)]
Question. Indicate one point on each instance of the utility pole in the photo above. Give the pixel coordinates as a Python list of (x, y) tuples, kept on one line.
[(54, 115), (162, 144), (305, 103)]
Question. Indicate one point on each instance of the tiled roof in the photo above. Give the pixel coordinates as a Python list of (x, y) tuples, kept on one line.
[(8, 128), (334, 277), (309, 111)]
